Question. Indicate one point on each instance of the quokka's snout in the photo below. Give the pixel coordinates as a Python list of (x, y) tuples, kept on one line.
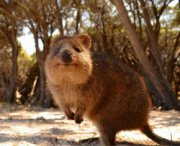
[(66, 57)]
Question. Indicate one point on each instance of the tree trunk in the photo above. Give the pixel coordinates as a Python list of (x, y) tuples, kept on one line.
[(42, 82), (171, 60), (78, 15), (59, 18), (41, 56), (11, 94), (152, 39), (41, 69), (160, 87)]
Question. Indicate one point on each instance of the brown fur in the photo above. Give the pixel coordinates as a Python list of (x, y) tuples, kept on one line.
[(97, 86)]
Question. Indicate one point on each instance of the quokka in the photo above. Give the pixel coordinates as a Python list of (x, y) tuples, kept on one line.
[(96, 85)]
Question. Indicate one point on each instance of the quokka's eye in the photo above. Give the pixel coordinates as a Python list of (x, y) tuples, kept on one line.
[(56, 50), (77, 49)]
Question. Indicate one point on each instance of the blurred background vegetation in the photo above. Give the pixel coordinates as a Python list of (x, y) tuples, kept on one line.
[(157, 23)]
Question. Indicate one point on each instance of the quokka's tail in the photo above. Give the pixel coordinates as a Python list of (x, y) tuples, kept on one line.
[(160, 140)]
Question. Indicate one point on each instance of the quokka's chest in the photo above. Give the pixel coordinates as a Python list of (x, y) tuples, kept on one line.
[(67, 95)]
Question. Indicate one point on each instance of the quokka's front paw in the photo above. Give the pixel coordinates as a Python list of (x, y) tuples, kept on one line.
[(70, 116), (78, 118)]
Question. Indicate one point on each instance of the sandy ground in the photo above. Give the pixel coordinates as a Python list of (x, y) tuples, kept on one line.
[(32, 126)]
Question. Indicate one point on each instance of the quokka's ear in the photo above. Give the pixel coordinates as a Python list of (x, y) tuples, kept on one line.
[(84, 39)]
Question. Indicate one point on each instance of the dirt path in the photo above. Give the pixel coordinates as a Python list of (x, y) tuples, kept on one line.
[(45, 127)]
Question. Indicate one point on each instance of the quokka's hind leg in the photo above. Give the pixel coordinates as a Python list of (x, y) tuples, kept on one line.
[(107, 138), (107, 135)]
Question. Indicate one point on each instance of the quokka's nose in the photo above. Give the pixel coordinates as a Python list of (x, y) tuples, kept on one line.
[(67, 57)]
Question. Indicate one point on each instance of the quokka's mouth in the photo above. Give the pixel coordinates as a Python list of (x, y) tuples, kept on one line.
[(65, 64), (60, 63)]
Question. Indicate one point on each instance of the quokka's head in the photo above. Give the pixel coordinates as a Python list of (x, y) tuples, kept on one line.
[(69, 60)]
